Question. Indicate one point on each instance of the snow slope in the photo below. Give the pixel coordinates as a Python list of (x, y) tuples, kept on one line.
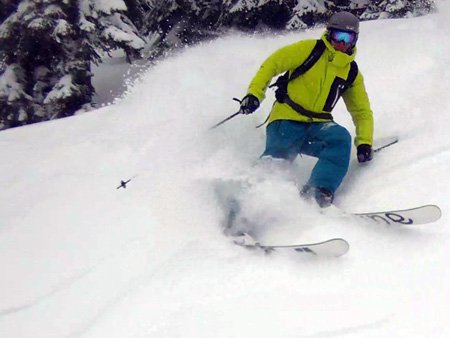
[(80, 258)]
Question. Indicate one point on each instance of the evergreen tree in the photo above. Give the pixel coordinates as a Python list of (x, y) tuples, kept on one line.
[(7, 7), (32, 42), (46, 48), (306, 14), (257, 14), (175, 23), (107, 27), (337, 5), (136, 11), (275, 15), (422, 7), (397, 8), (15, 104), (372, 11)]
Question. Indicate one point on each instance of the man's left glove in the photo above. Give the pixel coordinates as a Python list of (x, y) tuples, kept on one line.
[(365, 153), (249, 104)]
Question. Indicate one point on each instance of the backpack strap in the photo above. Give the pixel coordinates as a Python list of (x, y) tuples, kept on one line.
[(310, 61), (352, 74)]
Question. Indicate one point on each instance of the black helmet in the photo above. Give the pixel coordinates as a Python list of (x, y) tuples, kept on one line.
[(345, 21)]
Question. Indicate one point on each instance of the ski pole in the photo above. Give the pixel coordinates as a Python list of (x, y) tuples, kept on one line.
[(385, 146), (229, 117), (223, 121), (123, 184)]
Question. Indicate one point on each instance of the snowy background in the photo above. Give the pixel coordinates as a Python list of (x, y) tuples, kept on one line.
[(80, 258)]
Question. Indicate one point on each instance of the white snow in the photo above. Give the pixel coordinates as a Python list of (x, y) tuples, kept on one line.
[(62, 89), (108, 6), (123, 33), (80, 258), (62, 28), (9, 84)]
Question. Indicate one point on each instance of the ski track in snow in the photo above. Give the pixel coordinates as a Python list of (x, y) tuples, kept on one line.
[(81, 258)]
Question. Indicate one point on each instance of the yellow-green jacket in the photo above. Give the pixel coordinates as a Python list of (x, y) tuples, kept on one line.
[(312, 89)]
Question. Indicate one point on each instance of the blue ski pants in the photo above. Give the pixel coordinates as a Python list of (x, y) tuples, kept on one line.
[(327, 141)]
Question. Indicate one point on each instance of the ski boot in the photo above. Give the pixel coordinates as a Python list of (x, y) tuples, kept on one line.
[(323, 197)]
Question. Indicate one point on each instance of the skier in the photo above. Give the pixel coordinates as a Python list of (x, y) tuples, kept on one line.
[(319, 72)]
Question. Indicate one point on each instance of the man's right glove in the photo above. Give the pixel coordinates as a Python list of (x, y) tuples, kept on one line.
[(249, 104), (365, 153)]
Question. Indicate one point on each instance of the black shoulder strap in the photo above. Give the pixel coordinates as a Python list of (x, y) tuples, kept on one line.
[(310, 61), (352, 74)]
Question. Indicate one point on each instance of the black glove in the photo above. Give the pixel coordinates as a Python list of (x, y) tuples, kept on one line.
[(249, 104), (365, 153)]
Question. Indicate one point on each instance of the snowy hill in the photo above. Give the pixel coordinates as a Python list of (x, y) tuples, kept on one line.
[(81, 258)]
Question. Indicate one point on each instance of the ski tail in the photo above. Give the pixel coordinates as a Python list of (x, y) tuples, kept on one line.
[(333, 247)]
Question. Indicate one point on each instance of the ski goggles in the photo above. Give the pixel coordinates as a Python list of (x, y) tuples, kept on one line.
[(349, 38)]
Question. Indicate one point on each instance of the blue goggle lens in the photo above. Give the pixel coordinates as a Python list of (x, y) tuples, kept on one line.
[(341, 36)]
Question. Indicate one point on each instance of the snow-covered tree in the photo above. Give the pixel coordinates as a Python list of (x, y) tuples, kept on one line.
[(107, 26), (397, 8), (255, 14), (7, 7), (174, 23), (40, 45), (307, 13), (46, 49), (243, 5), (137, 10), (15, 104), (422, 7), (337, 5)]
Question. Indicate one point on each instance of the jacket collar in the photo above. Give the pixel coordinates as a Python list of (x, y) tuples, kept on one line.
[(338, 58)]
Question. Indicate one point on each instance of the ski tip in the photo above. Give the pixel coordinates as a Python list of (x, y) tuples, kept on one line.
[(343, 245), (423, 214), (437, 211), (433, 212)]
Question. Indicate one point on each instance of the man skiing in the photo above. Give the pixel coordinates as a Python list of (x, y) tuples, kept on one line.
[(319, 72)]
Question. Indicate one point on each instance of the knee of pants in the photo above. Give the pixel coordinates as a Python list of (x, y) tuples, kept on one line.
[(340, 135), (282, 140), (338, 145)]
